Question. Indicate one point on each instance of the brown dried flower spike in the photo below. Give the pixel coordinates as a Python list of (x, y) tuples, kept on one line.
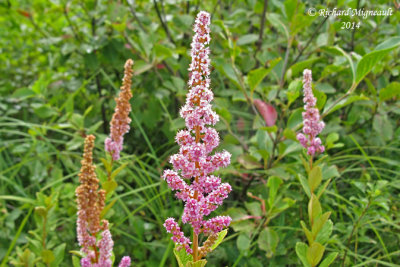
[(90, 199), (119, 124)]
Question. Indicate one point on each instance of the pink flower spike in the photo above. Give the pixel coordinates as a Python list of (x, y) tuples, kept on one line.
[(312, 125), (125, 262), (193, 161)]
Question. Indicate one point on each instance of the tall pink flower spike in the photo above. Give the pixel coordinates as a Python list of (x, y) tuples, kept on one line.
[(193, 162), (312, 125)]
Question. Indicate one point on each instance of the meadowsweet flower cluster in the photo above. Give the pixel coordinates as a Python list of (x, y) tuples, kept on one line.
[(312, 125), (119, 124), (91, 202), (193, 162)]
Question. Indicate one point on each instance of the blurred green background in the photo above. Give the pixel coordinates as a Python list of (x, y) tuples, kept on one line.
[(61, 65)]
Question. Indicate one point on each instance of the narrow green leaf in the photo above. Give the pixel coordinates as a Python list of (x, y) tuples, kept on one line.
[(329, 259), (109, 186), (314, 208), (304, 184), (314, 178), (307, 232), (118, 170), (319, 223), (182, 257)]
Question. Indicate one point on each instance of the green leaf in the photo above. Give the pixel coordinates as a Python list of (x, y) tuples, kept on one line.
[(314, 208), (389, 92), (247, 39), (314, 178), (23, 93), (315, 253), (273, 183), (345, 102), (304, 184), (45, 111), (321, 98), (340, 51), (300, 66), (106, 164), (220, 238), (294, 90), (383, 126), (76, 262), (59, 255), (109, 186), (118, 170), (319, 223), (255, 77), (276, 21), (243, 242), (325, 233), (331, 139), (107, 208), (249, 162), (199, 263), (309, 235), (182, 257), (371, 59), (301, 251), (295, 118), (47, 256), (329, 259), (268, 241)]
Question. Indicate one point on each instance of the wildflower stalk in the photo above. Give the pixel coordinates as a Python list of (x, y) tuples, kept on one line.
[(312, 254), (206, 192), (94, 235)]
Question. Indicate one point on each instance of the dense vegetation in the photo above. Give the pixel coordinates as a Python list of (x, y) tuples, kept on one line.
[(61, 67)]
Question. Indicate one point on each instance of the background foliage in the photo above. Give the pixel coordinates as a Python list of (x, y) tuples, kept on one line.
[(61, 66)]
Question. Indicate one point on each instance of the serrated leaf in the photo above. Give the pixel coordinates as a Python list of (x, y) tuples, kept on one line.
[(315, 253), (182, 257), (329, 259), (314, 178), (301, 251)]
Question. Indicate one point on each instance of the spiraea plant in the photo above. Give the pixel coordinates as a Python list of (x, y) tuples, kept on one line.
[(94, 235), (320, 225), (203, 192), (93, 232)]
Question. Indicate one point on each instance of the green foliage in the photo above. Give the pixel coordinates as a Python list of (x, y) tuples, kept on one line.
[(61, 69)]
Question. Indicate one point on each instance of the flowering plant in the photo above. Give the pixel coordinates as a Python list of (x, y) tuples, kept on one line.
[(94, 235), (193, 162), (321, 226)]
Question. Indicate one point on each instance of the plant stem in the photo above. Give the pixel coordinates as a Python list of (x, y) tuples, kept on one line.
[(196, 195), (163, 24), (260, 37)]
